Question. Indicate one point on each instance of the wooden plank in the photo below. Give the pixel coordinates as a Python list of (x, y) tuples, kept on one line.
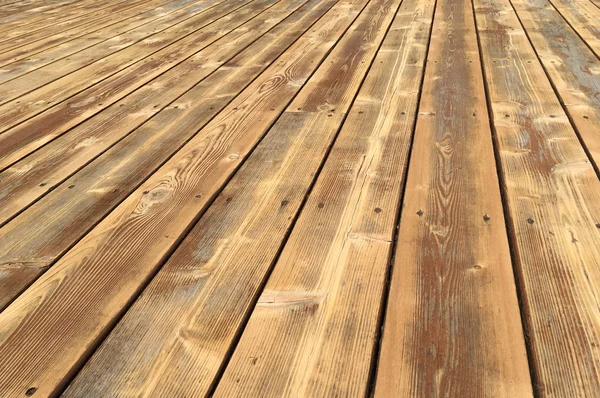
[(36, 132), (25, 11), (27, 7), (452, 326), (64, 30), (276, 176), (139, 154), (584, 18), (314, 329), (74, 15), (29, 57), (571, 65), (148, 58), (94, 64), (166, 205), (553, 197)]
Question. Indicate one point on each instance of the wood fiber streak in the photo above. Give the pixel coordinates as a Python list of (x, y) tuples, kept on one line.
[(41, 89), (571, 65), (553, 197), (85, 198), (452, 326), (312, 332), (27, 58), (89, 287), (22, 183)]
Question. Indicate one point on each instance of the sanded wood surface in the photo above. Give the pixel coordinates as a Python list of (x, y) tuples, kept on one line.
[(268, 198)]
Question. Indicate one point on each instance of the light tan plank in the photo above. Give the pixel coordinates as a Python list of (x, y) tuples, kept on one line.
[(103, 184), (314, 329), (453, 326), (30, 94), (553, 197), (157, 213), (32, 56)]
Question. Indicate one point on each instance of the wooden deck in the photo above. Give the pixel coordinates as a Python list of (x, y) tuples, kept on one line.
[(309, 198)]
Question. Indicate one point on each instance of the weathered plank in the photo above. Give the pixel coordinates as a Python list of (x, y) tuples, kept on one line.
[(42, 52), (156, 215), (452, 326), (28, 95), (571, 65), (257, 208), (584, 18), (19, 189), (102, 185), (26, 44), (314, 329), (553, 197), (72, 16)]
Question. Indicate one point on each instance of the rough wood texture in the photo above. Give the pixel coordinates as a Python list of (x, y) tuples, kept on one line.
[(29, 57), (60, 158), (571, 65), (553, 197), (299, 198), (136, 152), (584, 18), (161, 210), (325, 292), (452, 326)]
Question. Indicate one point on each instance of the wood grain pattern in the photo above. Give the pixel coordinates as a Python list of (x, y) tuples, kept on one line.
[(158, 213), (90, 194), (46, 126), (584, 18), (21, 32), (299, 198), (19, 190), (571, 65), (553, 197), (21, 97), (257, 208), (312, 332), (28, 45), (30, 57), (452, 326)]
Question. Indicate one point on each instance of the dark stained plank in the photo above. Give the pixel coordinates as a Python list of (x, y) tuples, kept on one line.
[(30, 94), (83, 200), (452, 326), (314, 328), (553, 197), (158, 214), (29, 57)]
